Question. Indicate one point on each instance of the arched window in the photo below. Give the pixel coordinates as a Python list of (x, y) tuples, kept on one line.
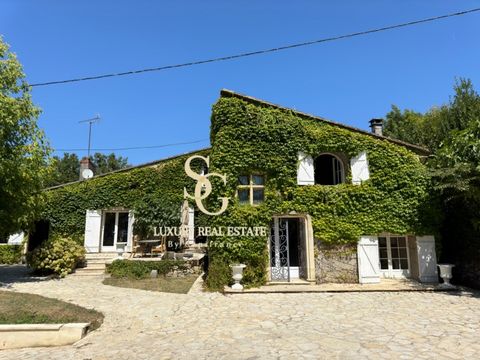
[(329, 170)]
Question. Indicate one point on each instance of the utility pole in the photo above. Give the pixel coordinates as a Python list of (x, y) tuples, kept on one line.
[(90, 122)]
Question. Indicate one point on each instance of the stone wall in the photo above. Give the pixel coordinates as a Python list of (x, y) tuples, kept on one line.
[(184, 270), (336, 264)]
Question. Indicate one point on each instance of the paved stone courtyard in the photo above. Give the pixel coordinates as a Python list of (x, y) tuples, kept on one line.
[(146, 325)]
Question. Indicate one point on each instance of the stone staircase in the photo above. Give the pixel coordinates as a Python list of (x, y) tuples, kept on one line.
[(95, 264)]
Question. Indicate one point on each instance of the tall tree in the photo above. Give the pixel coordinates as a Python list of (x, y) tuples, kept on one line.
[(434, 127), (415, 127), (65, 169), (457, 159), (452, 132), (106, 163), (23, 149)]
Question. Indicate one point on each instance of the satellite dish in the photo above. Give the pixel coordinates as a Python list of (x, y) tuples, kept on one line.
[(87, 173)]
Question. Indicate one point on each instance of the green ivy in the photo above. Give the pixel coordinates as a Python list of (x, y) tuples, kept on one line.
[(155, 193), (246, 138), (250, 137)]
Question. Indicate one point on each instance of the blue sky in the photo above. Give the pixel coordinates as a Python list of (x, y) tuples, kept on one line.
[(349, 81)]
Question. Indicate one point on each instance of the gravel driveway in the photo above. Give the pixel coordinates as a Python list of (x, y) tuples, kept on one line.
[(148, 325)]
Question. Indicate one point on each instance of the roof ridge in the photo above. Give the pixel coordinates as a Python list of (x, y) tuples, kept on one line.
[(231, 93), (150, 163)]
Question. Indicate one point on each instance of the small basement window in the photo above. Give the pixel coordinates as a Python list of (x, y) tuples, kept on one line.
[(251, 189), (329, 170)]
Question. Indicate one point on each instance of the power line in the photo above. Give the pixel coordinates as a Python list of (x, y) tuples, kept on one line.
[(138, 147), (259, 52)]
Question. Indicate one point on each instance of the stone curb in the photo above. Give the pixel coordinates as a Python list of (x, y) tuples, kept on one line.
[(34, 335)]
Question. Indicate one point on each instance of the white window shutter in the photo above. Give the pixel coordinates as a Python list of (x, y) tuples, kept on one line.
[(131, 220), (368, 260), (359, 167), (305, 171), (16, 239), (93, 227), (427, 259)]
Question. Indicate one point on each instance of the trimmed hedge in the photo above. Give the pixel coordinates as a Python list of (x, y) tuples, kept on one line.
[(137, 269), (10, 254)]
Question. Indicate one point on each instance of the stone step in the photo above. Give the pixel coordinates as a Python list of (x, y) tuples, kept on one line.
[(292, 282), (107, 255), (97, 261), (94, 266), (88, 273)]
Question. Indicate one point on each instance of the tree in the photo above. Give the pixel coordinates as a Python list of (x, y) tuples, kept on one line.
[(452, 133), (438, 124), (404, 125), (416, 128), (24, 151), (67, 168), (456, 166), (107, 163)]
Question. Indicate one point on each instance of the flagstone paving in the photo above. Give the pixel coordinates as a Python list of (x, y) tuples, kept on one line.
[(149, 325)]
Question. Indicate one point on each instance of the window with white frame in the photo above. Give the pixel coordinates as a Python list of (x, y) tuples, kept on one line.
[(115, 228), (393, 253), (251, 189)]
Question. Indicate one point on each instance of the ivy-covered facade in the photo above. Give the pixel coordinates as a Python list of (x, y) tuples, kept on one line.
[(340, 204)]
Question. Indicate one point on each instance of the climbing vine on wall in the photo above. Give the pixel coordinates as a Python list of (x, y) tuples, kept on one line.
[(154, 193), (250, 138)]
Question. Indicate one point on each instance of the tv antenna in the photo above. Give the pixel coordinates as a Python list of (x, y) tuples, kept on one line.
[(90, 122)]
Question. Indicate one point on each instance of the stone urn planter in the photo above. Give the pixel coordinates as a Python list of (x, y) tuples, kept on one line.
[(237, 275), (446, 274), (120, 251)]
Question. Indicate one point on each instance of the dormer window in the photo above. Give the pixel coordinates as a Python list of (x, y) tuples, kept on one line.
[(329, 170), (251, 189)]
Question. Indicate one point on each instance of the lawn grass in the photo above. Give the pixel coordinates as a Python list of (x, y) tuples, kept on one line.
[(22, 308), (179, 285)]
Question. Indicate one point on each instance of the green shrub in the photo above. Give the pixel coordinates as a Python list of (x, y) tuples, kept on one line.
[(58, 255), (219, 274), (10, 254), (137, 269)]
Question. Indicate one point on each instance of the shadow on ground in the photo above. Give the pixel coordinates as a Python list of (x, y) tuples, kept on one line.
[(10, 274), (464, 292)]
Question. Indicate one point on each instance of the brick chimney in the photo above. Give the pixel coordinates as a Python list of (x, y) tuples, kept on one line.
[(377, 126), (85, 163)]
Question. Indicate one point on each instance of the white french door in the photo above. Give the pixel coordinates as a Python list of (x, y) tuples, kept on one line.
[(394, 256), (115, 230)]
